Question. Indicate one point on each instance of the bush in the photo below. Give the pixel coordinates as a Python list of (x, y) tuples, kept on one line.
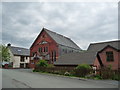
[(50, 66), (83, 66), (9, 65), (35, 70), (106, 73), (42, 63), (109, 67), (116, 77), (97, 77), (82, 70), (3, 66)]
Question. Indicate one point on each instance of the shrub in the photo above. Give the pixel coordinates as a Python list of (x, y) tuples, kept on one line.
[(3, 66), (50, 66), (9, 65), (106, 73), (82, 70), (83, 66), (56, 72), (116, 77), (97, 77), (35, 70), (109, 67), (42, 63)]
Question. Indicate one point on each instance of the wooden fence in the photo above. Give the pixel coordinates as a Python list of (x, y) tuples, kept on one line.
[(108, 74), (105, 74), (56, 70)]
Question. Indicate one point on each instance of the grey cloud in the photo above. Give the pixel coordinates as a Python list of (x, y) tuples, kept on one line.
[(82, 22), (16, 41), (0, 23)]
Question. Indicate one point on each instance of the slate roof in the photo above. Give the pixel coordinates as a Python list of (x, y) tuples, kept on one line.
[(87, 56), (76, 58), (98, 46), (62, 40), (19, 51), (59, 39)]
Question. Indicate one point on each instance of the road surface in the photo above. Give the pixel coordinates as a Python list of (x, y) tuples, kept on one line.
[(24, 78)]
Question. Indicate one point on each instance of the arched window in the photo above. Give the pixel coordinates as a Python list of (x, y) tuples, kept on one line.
[(43, 42), (40, 49), (46, 49), (54, 55)]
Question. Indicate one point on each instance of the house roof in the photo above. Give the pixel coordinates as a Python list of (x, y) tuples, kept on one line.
[(87, 56), (19, 51), (62, 40), (99, 46), (76, 58), (109, 47), (59, 39)]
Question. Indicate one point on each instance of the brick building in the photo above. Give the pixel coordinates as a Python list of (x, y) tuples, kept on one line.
[(108, 56), (98, 55), (106, 53), (49, 46)]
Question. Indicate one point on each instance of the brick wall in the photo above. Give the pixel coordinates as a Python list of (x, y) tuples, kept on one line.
[(114, 63)]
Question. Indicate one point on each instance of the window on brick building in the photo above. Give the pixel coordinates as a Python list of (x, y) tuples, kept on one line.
[(43, 42), (46, 49), (40, 49), (54, 55), (109, 56), (33, 54)]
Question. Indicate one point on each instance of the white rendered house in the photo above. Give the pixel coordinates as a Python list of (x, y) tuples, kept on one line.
[(19, 57)]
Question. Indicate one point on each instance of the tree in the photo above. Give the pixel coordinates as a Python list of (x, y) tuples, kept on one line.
[(0, 53), (4, 53)]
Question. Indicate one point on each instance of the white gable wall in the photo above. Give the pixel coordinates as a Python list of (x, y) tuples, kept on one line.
[(11, 56), (16, 62)]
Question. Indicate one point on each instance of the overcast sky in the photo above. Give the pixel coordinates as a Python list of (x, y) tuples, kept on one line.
[(82, 22)]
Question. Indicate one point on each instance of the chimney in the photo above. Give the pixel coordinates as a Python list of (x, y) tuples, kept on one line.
[(8, 44)]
